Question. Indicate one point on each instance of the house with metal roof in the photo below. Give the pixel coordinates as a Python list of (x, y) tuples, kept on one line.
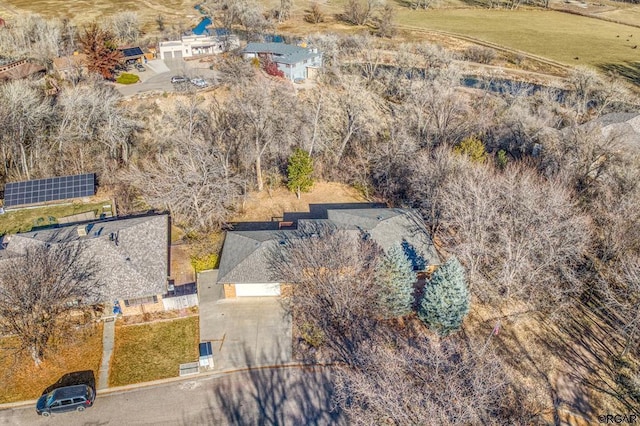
[(244, 269), (132, 256), (295, 62)]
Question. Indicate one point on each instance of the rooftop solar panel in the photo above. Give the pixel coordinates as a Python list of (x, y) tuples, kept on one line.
[(49, 189), (128, 52)]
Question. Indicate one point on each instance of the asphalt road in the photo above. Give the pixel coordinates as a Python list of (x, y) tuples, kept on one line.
[(283, 396)]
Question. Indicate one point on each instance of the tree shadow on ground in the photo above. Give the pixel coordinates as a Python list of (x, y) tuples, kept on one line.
[(272, 396), (630, 70), (513, 352), (589, 344)]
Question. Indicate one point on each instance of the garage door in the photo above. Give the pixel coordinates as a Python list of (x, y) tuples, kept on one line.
[(259, 289)]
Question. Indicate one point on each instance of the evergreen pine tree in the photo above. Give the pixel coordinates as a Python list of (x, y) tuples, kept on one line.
[(446, 299), (396, 278), (299, 172)]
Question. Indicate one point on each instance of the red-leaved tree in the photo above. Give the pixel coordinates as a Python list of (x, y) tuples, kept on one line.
[(101, 50), (271, 68)]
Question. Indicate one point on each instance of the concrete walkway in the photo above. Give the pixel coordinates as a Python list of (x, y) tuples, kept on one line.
[(108, 333)]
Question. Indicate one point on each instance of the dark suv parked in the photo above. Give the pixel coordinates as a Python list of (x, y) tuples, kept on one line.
[(68, 398)]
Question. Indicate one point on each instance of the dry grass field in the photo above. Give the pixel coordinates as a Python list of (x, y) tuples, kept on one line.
[(180, 12), (21, 379)]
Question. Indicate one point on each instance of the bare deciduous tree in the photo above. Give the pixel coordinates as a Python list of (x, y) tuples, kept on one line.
[(32, 36), (92, 124), (358, 12), (334, 287), (247, 13), (518, 236), (24, 114), (125, 26), (192, 178), (314, 15), (263, 115), (348, 118), (39, 288), (191, 183), (386, 24), (398, 379), (590, 95), (235, 71)]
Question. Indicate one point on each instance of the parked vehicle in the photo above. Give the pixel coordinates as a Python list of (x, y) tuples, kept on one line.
[(140, 67), (199, 82), (68, 398), (178, 79)]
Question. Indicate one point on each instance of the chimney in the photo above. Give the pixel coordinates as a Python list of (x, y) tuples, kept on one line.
[(82, 231)]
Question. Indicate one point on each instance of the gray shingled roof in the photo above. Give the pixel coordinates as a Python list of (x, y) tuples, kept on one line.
[(388, 227), (244, 255), (132, 253), (284, 53)]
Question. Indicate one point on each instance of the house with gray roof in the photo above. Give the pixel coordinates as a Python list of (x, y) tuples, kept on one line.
[(295, 62), (244, 268), (132, 256)]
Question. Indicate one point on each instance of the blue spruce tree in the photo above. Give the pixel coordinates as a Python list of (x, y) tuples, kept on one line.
[(396, 278), (446, 299)]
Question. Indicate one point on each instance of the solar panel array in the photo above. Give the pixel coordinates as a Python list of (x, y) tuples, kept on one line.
[(50, 189), (128, 52)]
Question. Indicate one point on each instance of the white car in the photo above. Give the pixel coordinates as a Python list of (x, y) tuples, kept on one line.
[(199, 82)]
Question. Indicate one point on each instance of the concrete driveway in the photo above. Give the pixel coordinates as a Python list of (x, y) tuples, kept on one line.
[(246, 331), (157, 77)]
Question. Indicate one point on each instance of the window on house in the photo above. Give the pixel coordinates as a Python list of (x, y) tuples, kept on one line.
[(140, 301)]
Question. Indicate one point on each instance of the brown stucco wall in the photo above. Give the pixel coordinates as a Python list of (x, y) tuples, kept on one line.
[(229, 291)]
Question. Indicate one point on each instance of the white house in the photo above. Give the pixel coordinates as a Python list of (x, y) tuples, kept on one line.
[(195, 45)]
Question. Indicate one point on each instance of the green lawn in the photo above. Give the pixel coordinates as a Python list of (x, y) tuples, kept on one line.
[(555, 35), (24, 220), (153, 351)]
